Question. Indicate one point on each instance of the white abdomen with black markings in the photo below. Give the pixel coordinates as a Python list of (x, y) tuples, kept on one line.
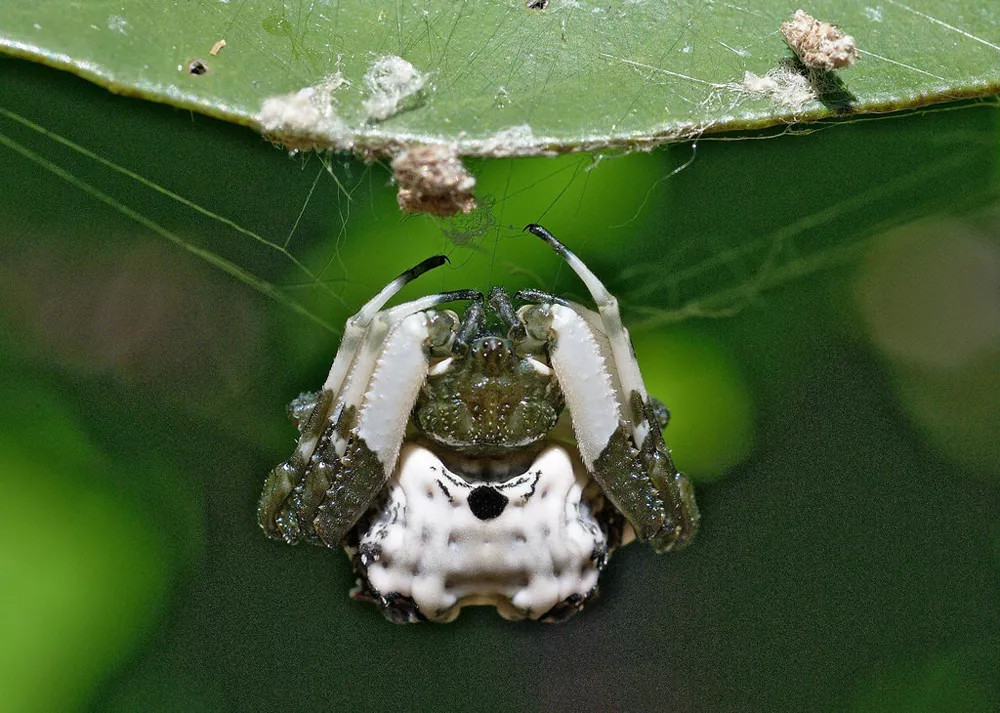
[(525, 545)]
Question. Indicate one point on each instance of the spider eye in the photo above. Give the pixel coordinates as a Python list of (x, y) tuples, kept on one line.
[(494, 355), (441, 328)]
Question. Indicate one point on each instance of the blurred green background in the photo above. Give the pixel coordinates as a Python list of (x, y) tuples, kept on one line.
[(820, 308)]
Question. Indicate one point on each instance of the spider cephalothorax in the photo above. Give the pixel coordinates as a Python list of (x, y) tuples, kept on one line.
[(485, 399), (433, 453)]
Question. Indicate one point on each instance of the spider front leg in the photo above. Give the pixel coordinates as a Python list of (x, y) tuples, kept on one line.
[(343, 443), (357, 434), (617, 426), (276, 512), (639, 479), (351, 479)]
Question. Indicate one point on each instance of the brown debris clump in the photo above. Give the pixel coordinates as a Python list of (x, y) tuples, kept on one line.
[(433, 180), (819, 45)]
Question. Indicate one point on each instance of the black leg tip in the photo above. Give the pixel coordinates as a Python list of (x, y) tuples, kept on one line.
[(423, 266), (536, 229)]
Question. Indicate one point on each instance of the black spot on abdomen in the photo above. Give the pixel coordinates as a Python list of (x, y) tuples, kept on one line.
[(487, 503)]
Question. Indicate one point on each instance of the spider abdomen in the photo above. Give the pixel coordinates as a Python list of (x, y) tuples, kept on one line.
[(532, 545)]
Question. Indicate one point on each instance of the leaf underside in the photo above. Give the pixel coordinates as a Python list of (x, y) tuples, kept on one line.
[(503, 79)]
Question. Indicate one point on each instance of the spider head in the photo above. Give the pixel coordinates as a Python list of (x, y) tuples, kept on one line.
[(485, 399), (493, 356)]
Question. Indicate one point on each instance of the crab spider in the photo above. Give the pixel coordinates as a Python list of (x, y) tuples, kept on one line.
[(497, 458)]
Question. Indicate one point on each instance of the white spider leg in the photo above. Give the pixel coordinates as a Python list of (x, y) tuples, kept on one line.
[(357, 325), (621, 346), (366, 353), (641, 482), (356, 384), (290, 497), (357, 452), (596, 324), (585, 382), (395, 382), (358, 334)]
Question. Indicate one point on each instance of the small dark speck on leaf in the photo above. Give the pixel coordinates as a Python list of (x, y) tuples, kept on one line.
[(537, 4), (197, 67)]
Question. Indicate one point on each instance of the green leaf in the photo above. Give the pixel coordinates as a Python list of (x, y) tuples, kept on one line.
[(498, 78)]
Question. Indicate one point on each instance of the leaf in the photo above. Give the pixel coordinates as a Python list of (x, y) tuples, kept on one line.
[(499, 78)]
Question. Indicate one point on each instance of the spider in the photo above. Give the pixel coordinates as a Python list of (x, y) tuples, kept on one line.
[(494, 458)]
